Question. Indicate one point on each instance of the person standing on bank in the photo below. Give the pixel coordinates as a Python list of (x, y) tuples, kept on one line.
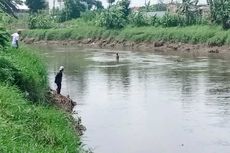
[(58, 79), (15, 39)]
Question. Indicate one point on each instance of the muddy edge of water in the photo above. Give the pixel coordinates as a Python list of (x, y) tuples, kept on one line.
[(158, 46), (67, 104)]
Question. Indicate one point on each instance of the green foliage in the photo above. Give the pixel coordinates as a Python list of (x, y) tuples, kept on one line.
[(27, 72), (25, 126), (33, 128), (222, 8), (89, 15), (9, 73), (188, 8), (112, 19), (116, 16), (154, 7), (4, 37), (72, 10), (219, 39), (186, 34), (40, 21), (171, 20), (123, 6), (138, 19), (36, 5)]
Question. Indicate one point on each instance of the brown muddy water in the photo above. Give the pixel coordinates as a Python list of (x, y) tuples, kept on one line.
[(147, 102)]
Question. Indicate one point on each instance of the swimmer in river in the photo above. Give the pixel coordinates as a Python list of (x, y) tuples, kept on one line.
[(117, 56)]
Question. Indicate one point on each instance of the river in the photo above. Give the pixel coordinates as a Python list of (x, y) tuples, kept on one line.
[(147, 102)]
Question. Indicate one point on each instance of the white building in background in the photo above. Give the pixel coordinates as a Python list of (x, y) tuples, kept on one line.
[(23, 7), (57, 4)]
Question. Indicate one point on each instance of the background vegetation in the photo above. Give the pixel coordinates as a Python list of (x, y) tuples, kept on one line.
[(190, 23)]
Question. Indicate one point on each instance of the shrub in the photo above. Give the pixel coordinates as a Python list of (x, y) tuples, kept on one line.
[(89, 15), (170, 20), (40, 21), (112, 19), (115, 17), (138, 19), (4, 38)]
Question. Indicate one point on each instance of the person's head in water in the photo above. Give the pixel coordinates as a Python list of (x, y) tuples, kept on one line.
[(117, 55), (61, 68)]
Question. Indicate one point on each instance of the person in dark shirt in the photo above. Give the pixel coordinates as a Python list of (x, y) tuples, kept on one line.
[(58, 79)]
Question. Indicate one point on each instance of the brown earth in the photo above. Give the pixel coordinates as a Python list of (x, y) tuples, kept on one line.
[(158, 46), (61, 101), (67, 104)]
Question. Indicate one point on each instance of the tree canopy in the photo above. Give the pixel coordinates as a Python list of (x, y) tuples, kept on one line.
[(36, 5), (9, 6)]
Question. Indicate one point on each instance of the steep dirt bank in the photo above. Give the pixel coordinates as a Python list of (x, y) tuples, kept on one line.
[(67, 104), (64, 102), (159, 46)]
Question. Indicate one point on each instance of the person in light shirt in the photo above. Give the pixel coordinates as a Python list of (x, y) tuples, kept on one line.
[(15, 39)]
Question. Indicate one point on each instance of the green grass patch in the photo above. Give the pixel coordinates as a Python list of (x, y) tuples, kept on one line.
[(26, 70), (33, 128)]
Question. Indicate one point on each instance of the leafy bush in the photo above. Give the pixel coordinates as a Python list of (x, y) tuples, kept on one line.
[(112, 19), (170, 20), (72, 10), (138, 19), (116, 16), (89, 15), (4, 38), (40, 21)]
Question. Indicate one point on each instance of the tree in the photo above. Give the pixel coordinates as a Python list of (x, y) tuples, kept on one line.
[(189, 9), (124, 6), (91, 3), (36, 5), (110, 2), (212, 10), (72, 10), (98, 5), (8, 6), (220, 12)]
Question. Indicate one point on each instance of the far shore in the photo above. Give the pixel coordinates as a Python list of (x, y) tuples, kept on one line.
[(157, 46)]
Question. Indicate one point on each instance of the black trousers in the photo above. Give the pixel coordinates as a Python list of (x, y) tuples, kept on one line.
[(58, 88)]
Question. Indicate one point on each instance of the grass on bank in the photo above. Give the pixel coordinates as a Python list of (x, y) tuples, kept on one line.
[(76, 30), (30, 126), (27, 72), (33, 128)]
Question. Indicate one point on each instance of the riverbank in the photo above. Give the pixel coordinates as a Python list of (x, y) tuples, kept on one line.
[(29, 121), (197, 39), (158, 46)]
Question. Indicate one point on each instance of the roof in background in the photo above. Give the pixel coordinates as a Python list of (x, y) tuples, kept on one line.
[(22, 7)]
